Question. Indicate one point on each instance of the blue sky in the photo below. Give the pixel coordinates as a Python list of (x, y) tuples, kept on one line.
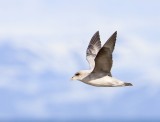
[(43, 43)]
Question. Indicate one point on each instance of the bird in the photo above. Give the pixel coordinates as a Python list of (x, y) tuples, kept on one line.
[(100, 62)]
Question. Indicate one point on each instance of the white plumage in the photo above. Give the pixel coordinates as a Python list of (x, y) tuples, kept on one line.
[(100, 61)]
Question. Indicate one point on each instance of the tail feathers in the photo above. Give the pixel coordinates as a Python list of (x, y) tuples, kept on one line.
[(128, 84)]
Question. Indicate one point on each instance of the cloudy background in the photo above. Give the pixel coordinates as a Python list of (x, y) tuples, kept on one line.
[(43, 43)]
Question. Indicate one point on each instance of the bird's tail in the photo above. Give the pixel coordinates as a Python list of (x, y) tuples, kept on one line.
[(128, 84)]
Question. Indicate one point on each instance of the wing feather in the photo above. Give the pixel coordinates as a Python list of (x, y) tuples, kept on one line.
[(93, 48), (103, 60)]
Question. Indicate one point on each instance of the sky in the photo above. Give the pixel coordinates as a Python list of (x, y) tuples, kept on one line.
[(43, 43)]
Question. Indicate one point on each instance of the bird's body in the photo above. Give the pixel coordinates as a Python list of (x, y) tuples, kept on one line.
[(100, 61), (105, 81)]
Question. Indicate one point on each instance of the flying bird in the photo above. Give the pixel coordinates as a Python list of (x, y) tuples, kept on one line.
[(100, 61)]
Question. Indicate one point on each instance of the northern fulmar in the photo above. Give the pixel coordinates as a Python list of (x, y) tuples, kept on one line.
[(100, 61)]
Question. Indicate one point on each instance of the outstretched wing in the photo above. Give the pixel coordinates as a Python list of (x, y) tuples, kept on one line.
[(93, 48), (103, 60)]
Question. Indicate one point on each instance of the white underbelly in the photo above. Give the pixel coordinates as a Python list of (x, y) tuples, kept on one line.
[(106, 81)]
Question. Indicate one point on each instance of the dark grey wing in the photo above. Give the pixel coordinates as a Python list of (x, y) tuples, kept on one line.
[(103, 60), (93, 48)]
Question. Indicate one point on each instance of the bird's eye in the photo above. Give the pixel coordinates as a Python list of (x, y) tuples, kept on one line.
[(76, 74)]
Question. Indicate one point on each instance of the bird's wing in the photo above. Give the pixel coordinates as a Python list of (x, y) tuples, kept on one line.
[(93, 48), (103, 60)]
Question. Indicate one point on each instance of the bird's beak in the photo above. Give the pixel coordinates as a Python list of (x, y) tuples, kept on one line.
[(72, 78)]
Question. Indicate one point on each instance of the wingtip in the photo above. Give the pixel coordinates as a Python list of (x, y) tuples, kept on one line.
[(115, 32), (97, 32)]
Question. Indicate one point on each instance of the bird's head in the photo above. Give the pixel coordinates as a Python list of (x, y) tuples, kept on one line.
[(80, 75)]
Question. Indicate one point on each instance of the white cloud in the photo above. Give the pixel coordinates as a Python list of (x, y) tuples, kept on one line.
[(56, 39)]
